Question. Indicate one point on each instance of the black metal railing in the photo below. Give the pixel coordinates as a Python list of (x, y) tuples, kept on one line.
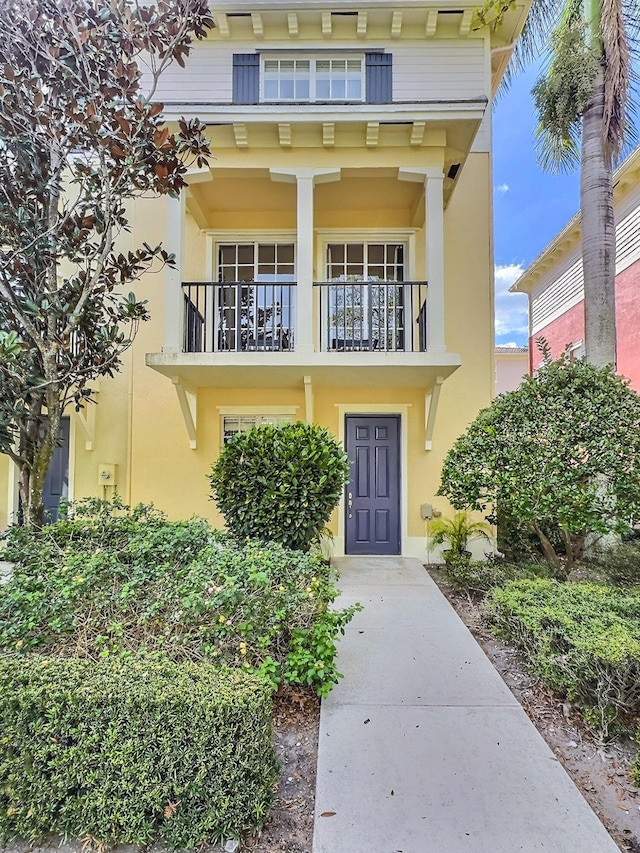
[(388, 316), (239, 316)]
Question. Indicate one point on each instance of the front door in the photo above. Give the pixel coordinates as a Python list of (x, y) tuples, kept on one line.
[(372, 502), (56, 484)]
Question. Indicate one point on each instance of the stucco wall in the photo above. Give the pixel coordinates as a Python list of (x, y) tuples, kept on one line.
[(569, 327)]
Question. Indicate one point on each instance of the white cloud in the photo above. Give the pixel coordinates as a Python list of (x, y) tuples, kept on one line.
[(512, 310), (510, 345), (502, 188)]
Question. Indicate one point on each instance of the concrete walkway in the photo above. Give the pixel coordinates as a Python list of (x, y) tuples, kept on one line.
[(423, 748)]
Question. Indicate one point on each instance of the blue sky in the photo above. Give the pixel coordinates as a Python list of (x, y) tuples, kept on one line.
[(530, 206)]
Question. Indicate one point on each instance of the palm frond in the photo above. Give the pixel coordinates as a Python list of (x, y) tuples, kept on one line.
[(557, 152), (617, 75), (563, 91), (543, 18)]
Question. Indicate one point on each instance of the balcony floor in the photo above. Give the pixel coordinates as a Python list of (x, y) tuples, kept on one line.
[(288, 369)]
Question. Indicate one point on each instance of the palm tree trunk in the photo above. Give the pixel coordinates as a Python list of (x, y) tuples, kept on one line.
[(598, 235)]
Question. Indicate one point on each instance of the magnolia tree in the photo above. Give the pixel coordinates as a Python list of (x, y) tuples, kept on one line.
[(80, 135), (562, 451)]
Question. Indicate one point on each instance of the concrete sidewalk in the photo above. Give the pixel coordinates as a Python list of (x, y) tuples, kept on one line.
[(423, 748)]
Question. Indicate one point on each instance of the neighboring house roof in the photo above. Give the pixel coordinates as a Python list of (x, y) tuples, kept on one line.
[(511, 350), (625, 178)]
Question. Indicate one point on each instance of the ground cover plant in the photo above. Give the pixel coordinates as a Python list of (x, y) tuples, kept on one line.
[(280, 483), (132, 751), (583, 639), (477, 577), (112, 582)]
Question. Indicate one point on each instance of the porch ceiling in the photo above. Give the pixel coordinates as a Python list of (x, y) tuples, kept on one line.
[(252, 191), (288, 370)]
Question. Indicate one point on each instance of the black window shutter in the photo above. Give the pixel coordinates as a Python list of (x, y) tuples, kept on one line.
[(379, 77), (246, 78)]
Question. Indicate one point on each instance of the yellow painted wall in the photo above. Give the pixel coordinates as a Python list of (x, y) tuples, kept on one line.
[(139, 426)]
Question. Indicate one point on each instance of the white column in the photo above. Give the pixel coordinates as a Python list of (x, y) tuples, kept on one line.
[(173, 296), (306, 179), (434, 203), (304, 264)]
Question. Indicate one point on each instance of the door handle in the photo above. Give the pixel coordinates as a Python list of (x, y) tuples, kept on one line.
[(349, 503)]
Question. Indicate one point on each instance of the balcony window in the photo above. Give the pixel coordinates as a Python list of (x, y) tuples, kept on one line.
[(311, 80), (366, 305), (256, 297), (266, 262), (365, 262)]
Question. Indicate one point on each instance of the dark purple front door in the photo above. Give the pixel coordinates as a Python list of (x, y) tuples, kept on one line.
[(56, 484), (373, 494)]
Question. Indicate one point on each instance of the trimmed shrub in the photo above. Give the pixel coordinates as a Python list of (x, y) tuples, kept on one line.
[(280, 483), (582, 639), (132, 751), (98, 586)]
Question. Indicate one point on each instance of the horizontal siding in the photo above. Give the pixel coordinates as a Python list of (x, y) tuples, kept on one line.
[(628, 239), (550, 300), (431, 69), (206, 77), (439, 68), (554, 300)]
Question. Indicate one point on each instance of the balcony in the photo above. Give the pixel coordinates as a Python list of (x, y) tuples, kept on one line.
[(239, 316), (353, 316), (368, 316)]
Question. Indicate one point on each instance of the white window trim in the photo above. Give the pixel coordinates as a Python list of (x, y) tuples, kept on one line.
[(312, 59), (257, 410)]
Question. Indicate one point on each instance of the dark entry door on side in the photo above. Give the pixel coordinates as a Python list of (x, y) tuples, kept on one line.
[(56, 484), (372, 504)]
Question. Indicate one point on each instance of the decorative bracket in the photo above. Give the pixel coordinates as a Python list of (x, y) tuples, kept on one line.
[(87, 419), (188, 399), (431, 400)]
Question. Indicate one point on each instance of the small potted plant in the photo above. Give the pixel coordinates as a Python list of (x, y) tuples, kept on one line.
[(457, 532)]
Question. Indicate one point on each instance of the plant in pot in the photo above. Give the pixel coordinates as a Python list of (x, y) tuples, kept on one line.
[(457, 532)]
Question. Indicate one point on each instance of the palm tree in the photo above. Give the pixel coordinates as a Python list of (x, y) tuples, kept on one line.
[(583, 100)]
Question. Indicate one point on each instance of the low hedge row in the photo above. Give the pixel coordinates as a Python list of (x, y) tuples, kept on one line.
[(582, 639), (132, 751)]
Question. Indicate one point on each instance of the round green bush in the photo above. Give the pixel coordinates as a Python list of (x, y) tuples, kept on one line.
[(280, 483)]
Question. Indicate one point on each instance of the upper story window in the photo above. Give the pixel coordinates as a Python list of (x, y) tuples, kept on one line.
[(315, 79), (365, 262), (351, 78), (262, 262)]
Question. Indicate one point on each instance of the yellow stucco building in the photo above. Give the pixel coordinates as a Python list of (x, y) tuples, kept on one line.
[(334, 262)]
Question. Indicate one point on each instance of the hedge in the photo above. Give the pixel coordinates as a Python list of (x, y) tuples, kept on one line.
[(132, 751), (114, 582), (582, 639)]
